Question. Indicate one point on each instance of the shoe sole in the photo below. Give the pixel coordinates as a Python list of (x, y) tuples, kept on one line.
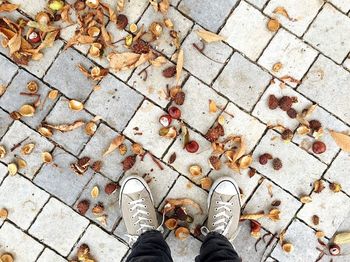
[(139, 179), (217, 182)]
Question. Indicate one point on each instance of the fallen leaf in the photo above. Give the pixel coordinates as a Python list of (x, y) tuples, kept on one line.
[(7, 7), (116, 142), (209, 37), (66, 127), (282, 11), (15, 43), (179, 64), (342, 140)]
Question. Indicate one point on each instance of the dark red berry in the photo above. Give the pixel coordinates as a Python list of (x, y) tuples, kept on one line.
[(174, 112), (292, 113), (122, 21), (276, 163), (83, 206), (287, 134), (318, 147), (315, 125), (273, 102), (264, 158), (192, 147), (285, 103)]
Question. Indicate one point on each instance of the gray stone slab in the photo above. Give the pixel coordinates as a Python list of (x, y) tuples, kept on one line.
[(3, 171), (115, 102), (31, 7), (339, 170), (49, 255), (12, 100), (8, 70), (209, 14), (64, 75), (5, 121), (59, 179)]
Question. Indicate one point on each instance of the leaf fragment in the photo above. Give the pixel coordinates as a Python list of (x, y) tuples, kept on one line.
[(342, 140), (209, 37), (116, 142), (179, 64)]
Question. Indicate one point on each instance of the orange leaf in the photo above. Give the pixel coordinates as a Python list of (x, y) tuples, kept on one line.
[(15, 43), (342, 140), (8, 7)]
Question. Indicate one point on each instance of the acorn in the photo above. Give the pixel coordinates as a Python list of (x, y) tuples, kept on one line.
[(165, 120), (34, 37), (192, 147), (174, 112)]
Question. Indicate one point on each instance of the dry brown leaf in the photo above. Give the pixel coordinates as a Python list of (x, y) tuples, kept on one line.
[(181, 202), (245, 161), (342, 140), (7, 7), (15, 43), (116, 142), (179, 64), (65, 14), (209, 37), (66, 127), (128, 60), (48, 41), (120, 5), (164, 6), (282, 11)]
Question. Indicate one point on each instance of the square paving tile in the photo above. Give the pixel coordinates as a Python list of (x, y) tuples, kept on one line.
[(17, 133), (183, 188), (328, 33), (199, 65), (184, 160), (12, 100), (339, 170), (60, 180), (22, 199), (5, 121), (258, 3), (8, 70), (278, 116), (110, 202), (326, 83), (209, 14), (195, 110), (3, 171), (74, 140), (97, 146), (328, 122), (304, 241), (133, 9), (332, 208), (299, 170), (144, 129), (261, 201), (18, 243), (343, 5), (301, 13), (164, 43), (347, 63), (64, 75), (58, 222), (242, 82), (115, 102), (155, 86), (159, 181), (49, 255), (288, 50), (103, 247), (183, 251), (254, 38)]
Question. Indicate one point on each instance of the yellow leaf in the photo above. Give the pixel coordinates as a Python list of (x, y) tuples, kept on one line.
[(179, 64), (209, 36), (342, 140), (212, 106), (15, 43)]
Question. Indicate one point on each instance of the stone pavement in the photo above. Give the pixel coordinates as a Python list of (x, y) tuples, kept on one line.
[(313, 47)]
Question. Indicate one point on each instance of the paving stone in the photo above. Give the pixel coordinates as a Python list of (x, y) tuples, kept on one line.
[(17, 133), (278, 116), (242, 124), (58, 222), (49, 255), (299, 170), (31, 7), (184, 160), (195, 110), (115, 102), (12, 100), (64, 75), (144, 128), (22, 246), (339, 169), (3, 171), (288, 50), (347, 63), (332, 208), (133, 9), (164, 43), (22, 199), (97, 146), (183, 188), (304, 241), (159, 181), (110, 202), (242, 82), (343, 5), (209, 14), (183, 251), (261, 201), (328, 33), (255, 36), (258, 3), (322, 85), (74, 140), (5, 121), (60, 180), (199, 65), (103, 247), (8, 70), (301, 13), (244, 244), (154, 87), (329, 122)]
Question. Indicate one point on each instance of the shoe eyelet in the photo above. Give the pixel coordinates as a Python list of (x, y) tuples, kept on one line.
[(130, 209), (142, 199), (145, 206), (216, 202), (147, 213), (150, 220), (216, 209), (212, 224)]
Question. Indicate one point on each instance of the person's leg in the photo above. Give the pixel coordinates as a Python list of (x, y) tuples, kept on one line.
[(224, 209), (140, 218)]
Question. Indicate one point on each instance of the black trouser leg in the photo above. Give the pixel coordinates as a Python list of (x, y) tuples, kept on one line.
[(150, 247), (216, 248)]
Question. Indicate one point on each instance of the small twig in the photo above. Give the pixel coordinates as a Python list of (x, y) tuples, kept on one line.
[(200, 50), (256, 243), (118, 41), (157, 162), (42, 105), (267, 234), (29, 94), (144, 70), (270, 241), (222, 109), (18, 144)]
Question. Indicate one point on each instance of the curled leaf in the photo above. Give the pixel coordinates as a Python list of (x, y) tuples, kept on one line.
[(116, 142), (209, 37), (65, 127)]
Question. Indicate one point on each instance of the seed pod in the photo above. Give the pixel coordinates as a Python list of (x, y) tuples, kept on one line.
[(182, 233), (272, 102), (195, 170), (27, 148), (277, 164), (12, 169), (27, 110), (288, 247), (75, 105), (156, 29), (171, 223), (2, 151), (285, 103), (32, 87), (174, 112), (206, 183), (273, 25), (169, 72), (83, 206), (110, 188), (122, 21), (46, 157), (3, 214), (165, 120)]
